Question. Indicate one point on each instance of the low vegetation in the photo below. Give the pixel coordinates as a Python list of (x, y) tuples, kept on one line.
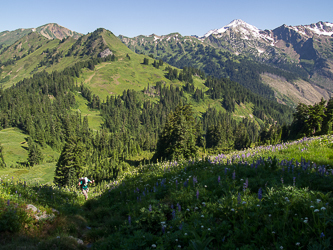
[(272, 197)]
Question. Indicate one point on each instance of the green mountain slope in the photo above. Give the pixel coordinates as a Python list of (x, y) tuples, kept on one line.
[(245, 54), (34, 53)]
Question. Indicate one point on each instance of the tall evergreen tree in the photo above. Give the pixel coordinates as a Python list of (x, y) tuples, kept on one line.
[(35, 155), (71, 162), (178, 139)]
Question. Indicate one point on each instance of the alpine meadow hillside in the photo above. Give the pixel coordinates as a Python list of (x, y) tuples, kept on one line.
[(189, 142)]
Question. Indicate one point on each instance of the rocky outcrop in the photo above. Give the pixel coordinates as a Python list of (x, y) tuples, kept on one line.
[(38, 215), (105, 53)]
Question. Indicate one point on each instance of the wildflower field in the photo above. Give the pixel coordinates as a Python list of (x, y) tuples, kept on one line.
[(270, 197)]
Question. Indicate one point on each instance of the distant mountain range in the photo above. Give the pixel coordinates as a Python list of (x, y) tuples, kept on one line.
[(306, 51), (290, 64)]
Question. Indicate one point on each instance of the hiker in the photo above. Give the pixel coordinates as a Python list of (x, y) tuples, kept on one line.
[(83, 183)]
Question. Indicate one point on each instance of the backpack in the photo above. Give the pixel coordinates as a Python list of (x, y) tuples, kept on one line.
[(84, 181)]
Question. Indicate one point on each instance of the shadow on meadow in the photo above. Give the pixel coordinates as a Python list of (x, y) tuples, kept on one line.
[(223, 205), (243, 201)]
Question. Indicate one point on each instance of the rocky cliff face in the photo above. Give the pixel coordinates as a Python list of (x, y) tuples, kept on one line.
[(53, 30)]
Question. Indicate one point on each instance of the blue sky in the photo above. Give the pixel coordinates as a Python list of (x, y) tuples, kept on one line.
[(135, 17)]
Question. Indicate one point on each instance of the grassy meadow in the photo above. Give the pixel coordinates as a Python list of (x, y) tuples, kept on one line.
[(15, 153), (268, 197)]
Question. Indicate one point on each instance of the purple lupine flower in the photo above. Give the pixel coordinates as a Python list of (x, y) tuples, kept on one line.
[(197, 193), (282, 180), (150, 208), (247, 182), (171, 206), (234, 175), (322, 235), (173, 214), (129, 220), (260, 194), (181, 226), (163, 229), (8, 202), (219, 179)]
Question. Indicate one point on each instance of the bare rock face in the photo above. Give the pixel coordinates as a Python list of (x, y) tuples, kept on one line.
[(105, 53)]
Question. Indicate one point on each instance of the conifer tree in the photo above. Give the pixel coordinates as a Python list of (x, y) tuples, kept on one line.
[(71, 162), (2, 160), (178, 139), (35, 155)]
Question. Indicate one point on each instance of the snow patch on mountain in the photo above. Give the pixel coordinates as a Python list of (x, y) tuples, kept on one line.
[(320, 28)]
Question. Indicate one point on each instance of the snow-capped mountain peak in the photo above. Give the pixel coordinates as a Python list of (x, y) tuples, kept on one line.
[(246, 30)]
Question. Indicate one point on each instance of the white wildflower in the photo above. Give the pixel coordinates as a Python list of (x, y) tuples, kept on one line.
[(323, 208)]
